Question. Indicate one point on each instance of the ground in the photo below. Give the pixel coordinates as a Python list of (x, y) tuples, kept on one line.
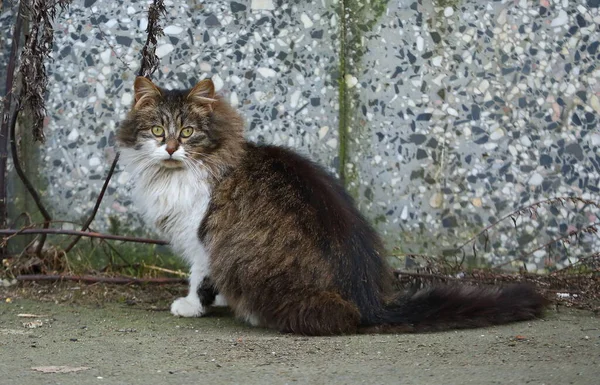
[(125, 335)]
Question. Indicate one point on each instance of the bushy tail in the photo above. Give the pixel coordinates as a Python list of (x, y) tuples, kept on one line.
[(458, 307)]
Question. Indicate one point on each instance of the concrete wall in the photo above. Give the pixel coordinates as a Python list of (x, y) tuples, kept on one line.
[(450, 114)]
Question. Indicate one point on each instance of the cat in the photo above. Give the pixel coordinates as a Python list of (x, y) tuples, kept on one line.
[(273, 233)]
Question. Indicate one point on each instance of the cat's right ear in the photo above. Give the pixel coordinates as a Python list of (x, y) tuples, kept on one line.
[(145, 92), (203, 93)]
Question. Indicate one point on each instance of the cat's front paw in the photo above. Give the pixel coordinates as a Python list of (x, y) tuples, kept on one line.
[(187, 307)]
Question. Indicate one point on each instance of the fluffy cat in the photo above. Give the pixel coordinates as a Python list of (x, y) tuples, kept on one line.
[(275, 234)]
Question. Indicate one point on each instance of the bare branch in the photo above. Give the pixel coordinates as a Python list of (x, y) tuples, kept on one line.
[(6, 113), (96, 279), (89, 221), (83, 234), (148, 66), (591, 229), (527, 210)]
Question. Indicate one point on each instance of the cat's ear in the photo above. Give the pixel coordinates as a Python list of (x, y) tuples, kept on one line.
[(203, 93), (145, 91)]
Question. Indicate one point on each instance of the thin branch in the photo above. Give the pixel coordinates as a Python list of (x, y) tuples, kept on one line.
[(163, 270), (427, 276), (95, 279), (527, 209), (89, 221), (27, 183), (6, 112), (83, 234), (5, 240), (591, 229), (149, 63), (582, 261), (112, 48)]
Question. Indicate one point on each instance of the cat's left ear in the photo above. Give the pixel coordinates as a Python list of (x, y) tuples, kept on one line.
[(203, 93), (145, 91)]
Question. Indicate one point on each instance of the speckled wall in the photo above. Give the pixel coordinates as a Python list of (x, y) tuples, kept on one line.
[(452, 113)]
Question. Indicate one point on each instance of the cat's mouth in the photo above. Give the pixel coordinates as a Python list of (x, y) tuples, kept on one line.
[(171, 163)]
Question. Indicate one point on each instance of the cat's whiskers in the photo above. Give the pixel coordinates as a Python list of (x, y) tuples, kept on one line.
[(204, 159), (193, 166), (204, 166), (197, 173), (144, 166)]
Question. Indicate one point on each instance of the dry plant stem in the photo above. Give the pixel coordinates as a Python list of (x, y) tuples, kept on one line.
[(89, 221), (428, 276), (83, 234), (6, 112), (577, 264), (588, 229), (529, 209), (163, 270), (27, 183), (153, 30), (94, 279)]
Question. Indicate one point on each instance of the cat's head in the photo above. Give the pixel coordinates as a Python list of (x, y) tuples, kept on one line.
[(176, 129)]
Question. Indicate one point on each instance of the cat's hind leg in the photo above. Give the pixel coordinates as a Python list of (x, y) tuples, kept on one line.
[(321, 313)]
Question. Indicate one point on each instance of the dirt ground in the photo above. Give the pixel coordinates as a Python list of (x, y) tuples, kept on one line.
[(117, 335)]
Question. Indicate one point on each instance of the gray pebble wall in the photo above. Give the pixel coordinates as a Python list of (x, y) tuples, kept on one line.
[(458, 112)]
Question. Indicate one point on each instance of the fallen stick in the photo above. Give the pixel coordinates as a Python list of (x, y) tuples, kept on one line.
[(89, 234), (94, 279)]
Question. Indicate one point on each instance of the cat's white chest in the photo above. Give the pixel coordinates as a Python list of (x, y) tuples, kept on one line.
[(175, 204)]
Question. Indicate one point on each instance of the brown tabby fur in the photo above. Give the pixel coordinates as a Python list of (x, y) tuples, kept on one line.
[(289, 250)]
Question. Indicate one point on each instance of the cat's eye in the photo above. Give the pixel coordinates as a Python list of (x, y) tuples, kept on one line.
[(186, 132), (158, 131)]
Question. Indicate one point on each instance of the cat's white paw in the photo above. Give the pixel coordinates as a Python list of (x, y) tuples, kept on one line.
[(187, 307), (220, 301)]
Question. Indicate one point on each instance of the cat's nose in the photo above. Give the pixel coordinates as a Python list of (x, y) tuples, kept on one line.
[(171, 146)]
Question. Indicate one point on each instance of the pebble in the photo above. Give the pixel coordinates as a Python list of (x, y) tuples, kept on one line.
[(266, 72), (126, 99), (561, 19), (535, 179), (306, 21), (351, 81), (497, 134), (73, 135), (172, 30), (595, 103), (404, 214), (218, 82), (436, 200), (233, 99), (258, 5), (164, 49), (100, 92), (323, 131), (105, 56)]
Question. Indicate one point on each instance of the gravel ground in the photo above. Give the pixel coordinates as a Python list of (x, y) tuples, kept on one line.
[(137, 343)]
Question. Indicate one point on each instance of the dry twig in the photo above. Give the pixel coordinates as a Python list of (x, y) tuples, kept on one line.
[(83, 234), (149, 64), (96, 279)]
